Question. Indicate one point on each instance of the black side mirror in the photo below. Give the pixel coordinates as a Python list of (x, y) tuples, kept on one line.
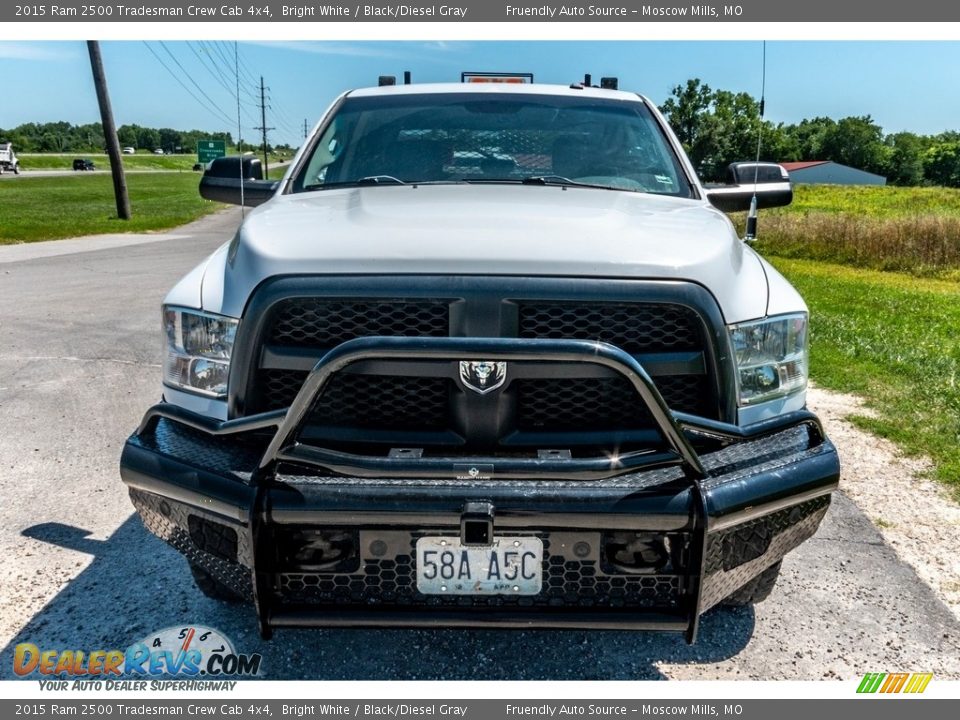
[(238, 181), (772, 181)]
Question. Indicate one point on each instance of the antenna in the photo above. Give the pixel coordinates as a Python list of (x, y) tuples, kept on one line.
[(751, 233), (236, 70)]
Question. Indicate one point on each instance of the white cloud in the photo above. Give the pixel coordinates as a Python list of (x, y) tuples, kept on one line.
[(34, 51)]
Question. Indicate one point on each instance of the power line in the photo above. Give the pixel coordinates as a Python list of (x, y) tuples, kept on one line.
[(190, 78), (232, 67), (280, 111), (213, 110), (217, 74), (287, 124), (245, 69), (241, 65)]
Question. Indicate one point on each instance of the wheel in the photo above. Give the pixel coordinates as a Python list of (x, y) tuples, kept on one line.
[(757, 590), (16, 169), (211, 587)]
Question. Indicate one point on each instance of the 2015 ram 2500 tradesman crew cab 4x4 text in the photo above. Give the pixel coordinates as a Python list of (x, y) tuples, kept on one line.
[(488, 354)]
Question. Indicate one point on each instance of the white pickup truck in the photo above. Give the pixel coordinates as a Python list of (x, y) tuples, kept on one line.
[(488, 354), (8, 159)]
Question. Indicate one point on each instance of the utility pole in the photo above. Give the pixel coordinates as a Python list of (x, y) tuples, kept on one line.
[(109, 131), (263, 127)]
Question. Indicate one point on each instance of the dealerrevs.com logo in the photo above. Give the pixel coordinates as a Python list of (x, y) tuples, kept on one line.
[(191, 652)]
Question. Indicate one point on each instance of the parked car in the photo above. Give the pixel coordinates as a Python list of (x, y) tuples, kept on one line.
[(83, 164), (487, 355), (129, 151)]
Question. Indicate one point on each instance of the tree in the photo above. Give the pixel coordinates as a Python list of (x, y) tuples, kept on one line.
[(718, 127), (857, 142), (808, 137), (686, 109), (128, 135), (148, 138), (906, 159), (941, 164)]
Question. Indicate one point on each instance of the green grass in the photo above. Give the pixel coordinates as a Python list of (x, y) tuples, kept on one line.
[(881, 202), (48, 208), (893, 340), (913, 230), (141, 161)]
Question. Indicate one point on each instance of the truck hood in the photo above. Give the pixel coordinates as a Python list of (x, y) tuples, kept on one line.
[(489, 230)]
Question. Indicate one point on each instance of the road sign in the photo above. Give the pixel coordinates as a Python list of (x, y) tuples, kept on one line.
[(210, 150)]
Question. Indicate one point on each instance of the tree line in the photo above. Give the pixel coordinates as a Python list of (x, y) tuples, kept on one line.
[(64, 137), (718, 127)]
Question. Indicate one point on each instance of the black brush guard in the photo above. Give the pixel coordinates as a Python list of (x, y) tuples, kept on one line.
[(758, 492)]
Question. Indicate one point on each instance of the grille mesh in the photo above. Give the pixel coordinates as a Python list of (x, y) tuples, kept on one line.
[(634, 327), (600, 403), (585, 403), (383, 402), (315, 322)]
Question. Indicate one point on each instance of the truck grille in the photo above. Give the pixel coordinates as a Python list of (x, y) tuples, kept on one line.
[(636, 328), (313, 322), (427, 405)]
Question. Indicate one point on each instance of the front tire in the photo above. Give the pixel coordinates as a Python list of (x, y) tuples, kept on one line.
[(211, 587), (757, 590)]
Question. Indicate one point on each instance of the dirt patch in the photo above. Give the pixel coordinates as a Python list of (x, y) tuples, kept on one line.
[(915, 515)]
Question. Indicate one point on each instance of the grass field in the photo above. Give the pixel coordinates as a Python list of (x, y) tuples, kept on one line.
[(140, 161), (880, 270), (47, 208), (893, 340), (913, 230)]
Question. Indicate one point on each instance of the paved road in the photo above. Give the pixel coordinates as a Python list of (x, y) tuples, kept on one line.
[(79, 363)]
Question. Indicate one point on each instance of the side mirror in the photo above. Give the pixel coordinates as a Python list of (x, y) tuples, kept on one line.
[(238, 181), (773, 187)]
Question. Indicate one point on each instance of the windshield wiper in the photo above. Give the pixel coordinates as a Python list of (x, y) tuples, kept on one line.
[(369, 180), (378, 179), (564, 181), (549, 180)]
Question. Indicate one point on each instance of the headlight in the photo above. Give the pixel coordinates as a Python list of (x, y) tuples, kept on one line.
[(197, 348), (771, 357)]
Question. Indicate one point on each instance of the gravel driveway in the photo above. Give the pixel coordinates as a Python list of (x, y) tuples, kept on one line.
[(79, 363)]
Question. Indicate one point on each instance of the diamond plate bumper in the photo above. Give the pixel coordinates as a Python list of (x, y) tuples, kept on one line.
[(238, 498)]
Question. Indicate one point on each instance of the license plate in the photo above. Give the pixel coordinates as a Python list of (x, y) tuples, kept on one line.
[(508, 566)]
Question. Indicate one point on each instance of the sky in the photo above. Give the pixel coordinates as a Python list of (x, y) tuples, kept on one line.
[(184, 85)]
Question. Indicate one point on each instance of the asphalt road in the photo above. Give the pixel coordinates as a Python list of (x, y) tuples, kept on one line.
[(79, 363)]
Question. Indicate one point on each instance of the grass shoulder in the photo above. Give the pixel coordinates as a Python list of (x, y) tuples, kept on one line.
[(50, 208), (892, 339)]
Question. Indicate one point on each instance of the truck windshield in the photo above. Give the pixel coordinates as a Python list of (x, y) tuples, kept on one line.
[(493, 138)]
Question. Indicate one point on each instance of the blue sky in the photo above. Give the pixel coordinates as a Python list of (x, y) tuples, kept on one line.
[(903, 85)]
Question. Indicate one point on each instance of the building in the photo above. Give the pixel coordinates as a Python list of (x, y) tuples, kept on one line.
[(827, 172)]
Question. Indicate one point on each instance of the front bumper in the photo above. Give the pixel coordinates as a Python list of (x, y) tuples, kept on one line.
[(243, 503)]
